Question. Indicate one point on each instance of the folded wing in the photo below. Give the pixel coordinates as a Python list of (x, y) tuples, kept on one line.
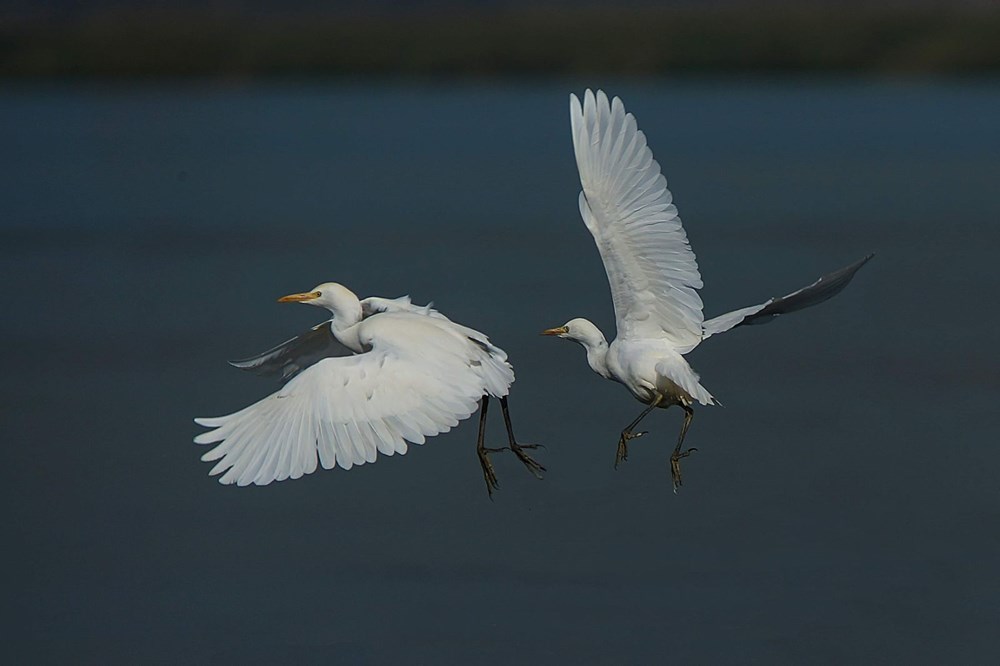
[(627, 207)]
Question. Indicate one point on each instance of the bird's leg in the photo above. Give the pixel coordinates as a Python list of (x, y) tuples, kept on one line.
[(675, 458), (518, 449), (489, 475), (627, 433)]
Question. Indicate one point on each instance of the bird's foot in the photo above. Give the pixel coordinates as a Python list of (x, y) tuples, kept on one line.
[(533, 466), (622, 453), (675, 467), (489, 474)]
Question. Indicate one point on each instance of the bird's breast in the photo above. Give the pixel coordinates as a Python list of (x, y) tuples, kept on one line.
[(634, 364)]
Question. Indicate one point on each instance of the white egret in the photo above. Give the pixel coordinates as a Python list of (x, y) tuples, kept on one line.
[(652, 272), (381, 373)]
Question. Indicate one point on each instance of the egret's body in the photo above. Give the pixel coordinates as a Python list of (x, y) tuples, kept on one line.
[(380, 373), (652, 272)]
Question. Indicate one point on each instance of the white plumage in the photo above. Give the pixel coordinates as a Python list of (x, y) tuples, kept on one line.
[(651, 270), (409, 373), (627, 207)]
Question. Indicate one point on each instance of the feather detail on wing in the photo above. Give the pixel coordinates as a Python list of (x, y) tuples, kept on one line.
[(627, 207), (821, 290), (421, 377), (293, 356)]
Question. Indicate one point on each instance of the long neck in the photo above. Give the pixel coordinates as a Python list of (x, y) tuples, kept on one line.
[(597, 354), (346, 317)]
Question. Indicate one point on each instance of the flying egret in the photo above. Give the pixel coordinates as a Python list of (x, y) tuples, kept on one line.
[(652, 272), (382, 372)]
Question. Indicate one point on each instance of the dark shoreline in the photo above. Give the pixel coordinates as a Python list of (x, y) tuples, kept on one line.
[(505, 42)]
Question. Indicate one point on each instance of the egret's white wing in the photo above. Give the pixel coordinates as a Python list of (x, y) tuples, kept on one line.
[(420, 378), (627, 207), (822, 289)]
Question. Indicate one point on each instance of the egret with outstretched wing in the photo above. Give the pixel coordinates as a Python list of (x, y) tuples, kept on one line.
[(652, 271), (379, 374)]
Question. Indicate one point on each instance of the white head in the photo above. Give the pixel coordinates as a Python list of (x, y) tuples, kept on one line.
[(590, 337), (336, 298), (579, 330)]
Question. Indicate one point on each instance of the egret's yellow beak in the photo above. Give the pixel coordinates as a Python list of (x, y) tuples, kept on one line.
[(299, 298), (556, 331)]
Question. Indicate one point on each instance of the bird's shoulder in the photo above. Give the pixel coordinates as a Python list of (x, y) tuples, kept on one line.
[(405, 328), (393, 343)]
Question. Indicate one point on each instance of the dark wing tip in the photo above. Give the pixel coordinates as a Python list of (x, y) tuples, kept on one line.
[(293, 356), (819, 291)]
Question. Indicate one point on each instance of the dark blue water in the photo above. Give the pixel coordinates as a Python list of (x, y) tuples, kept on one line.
[(842, 507)]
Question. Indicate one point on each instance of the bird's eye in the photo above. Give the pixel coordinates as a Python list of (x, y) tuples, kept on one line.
[(318, 294)]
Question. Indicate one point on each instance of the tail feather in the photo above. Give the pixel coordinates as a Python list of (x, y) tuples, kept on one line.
[(679, 372)]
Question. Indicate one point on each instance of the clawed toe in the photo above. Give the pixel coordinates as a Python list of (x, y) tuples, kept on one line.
[(489, 474), (533, 466), (622, 454), (675, 467)]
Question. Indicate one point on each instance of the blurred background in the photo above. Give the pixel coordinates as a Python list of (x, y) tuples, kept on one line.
[(494, 38), (168, 169)]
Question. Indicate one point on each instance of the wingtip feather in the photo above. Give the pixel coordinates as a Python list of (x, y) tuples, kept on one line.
[(209, 437)]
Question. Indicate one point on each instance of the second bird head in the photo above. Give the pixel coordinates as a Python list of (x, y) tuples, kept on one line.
[(577, 330)]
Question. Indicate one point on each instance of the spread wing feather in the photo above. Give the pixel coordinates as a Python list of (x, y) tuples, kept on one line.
[(627, 207), (821, 290), (421, 377)]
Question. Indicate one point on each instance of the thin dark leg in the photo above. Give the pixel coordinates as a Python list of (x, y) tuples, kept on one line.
[(675, 458), (627, 433), (489, 475), (518, 449)]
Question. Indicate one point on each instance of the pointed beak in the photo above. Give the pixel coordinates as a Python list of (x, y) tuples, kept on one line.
[(299, 298), (555, 331)]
